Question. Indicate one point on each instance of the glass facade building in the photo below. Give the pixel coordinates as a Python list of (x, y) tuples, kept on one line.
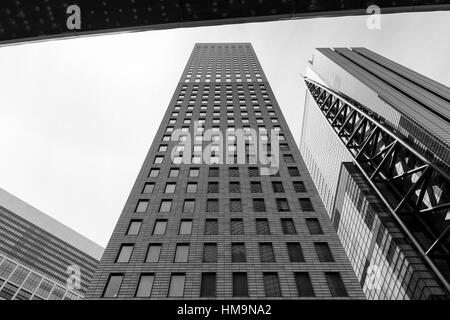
[(393, 226), (224, 224), (40, 258)]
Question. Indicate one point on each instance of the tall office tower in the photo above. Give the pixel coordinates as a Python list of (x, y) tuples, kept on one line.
[(225, 229), (40, 258), (376, 141)]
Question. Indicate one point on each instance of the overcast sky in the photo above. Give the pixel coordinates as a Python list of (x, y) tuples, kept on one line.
[(78, 116)]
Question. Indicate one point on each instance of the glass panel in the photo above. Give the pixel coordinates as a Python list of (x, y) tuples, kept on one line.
[(186, 227), (19, 275), (44, 289), (181, 253), (134, 227), (32, 282), (208, 286), (142, 206), (153, 253), (160, 227), (125, 253), (177, 285), (240, 288), (113, 286), (145, 286)]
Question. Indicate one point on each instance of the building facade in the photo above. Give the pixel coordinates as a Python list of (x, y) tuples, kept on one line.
[(40, 258), (213, 220), (390, 206)]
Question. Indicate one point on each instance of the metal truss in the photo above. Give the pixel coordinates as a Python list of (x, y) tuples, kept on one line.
[(414, 189)]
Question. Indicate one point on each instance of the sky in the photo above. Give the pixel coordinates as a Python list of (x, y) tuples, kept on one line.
[(77, 116)]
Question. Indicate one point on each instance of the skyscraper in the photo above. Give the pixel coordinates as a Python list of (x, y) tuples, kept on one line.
[(208, 217), (375, 139), (40, 258)]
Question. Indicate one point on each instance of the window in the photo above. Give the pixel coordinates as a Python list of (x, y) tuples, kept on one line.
[(44, 288), (233, 172), (170, 188), (19, 275), (336, 285), (259, 205), (235, 205), (212, 205), (194, 172), (236, 226), (284, 147), (295, 252), (134, 227), (211, 227), (323, 252), (240, 285), (185, 227), (32, 281), (299, 186), (282, 205), (288, 226), (304, 285), (176, 288), (305, 204), (160, 227), (142, 206), (125, 253), (262, 226), (145, 285), (238, 252), (293, 172), (208, 285), (166, 138), (255, 187), (158, 160), (271, 284), (210, 252), (277, 186), (191, 187), (213, 172), (235, 187), (113, 286), (173, 173), (189, 206), (266, 252), (153, 252), (253, 172), (314, 226), (148, 187), (181, 253), (165, 206), (288, 158), (213, 187)]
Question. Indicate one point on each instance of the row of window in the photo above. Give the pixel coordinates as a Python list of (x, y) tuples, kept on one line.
[(218, 94), (233, 187), (240, 288), (211, 226), (21, 283), (213, 172), (235, 205), (284, 147), (238, 252), (214, 157)]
